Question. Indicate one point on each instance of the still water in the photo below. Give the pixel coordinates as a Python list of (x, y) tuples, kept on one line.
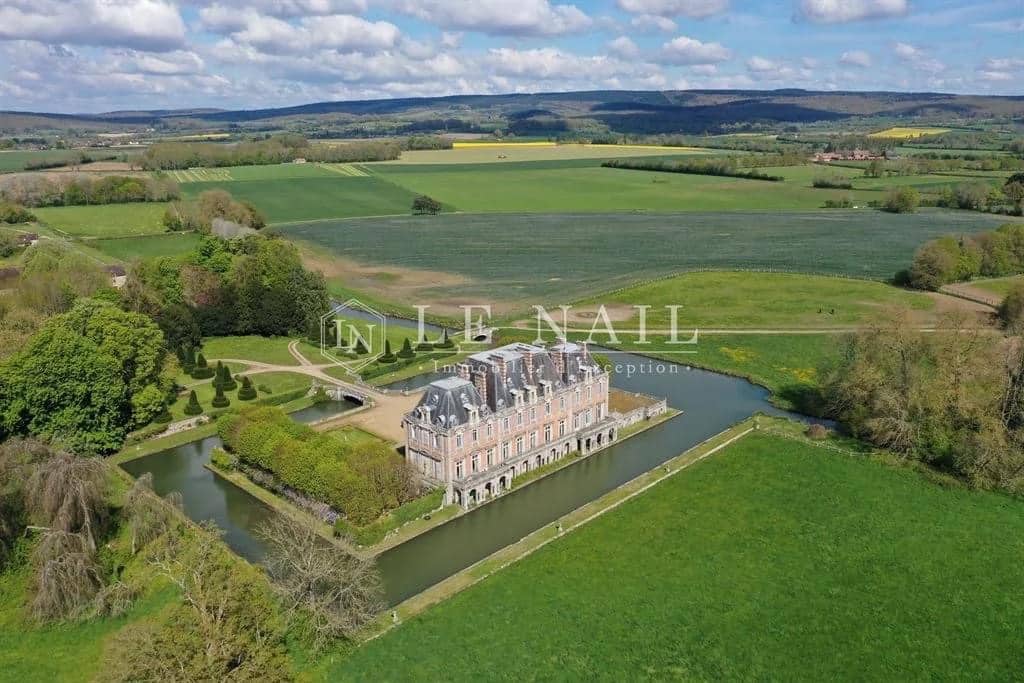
[(710, 402), (205, 496)]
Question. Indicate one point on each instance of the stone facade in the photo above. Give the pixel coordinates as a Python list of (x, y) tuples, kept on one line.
[(508, 411)]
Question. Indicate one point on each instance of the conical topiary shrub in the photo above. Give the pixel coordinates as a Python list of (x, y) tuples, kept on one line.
[(193, 407), (224, 378), (406, 351), (219, 399), (388, 357), (445, 342), (202, 370), (360, 348), (188, 364), (247, 391)]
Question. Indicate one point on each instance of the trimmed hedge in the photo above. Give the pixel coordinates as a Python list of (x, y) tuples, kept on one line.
[(376, 531), (362, 481)]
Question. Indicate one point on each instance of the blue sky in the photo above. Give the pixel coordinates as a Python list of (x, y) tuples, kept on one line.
[(99, 55)]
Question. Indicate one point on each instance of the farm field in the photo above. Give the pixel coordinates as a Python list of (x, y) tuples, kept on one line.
[(105, 220), (315, 198), (906, 133), (255, 172), (15, 160), (502, 153), (563, 258), (128, 249), (772, 559), (759, 300), (595, 189)]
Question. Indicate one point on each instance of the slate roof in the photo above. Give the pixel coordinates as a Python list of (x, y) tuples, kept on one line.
[(447, 400)]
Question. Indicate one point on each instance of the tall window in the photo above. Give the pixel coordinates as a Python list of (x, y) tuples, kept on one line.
[(533, 414), (458, 440), (490, 429), (519, 418), (547, 433), (505, 425), (474, 463), (561, 428), (519, 445), (475, 436), (490, 457), (533, 439), (547, 408), (458, 470), (504, 451)]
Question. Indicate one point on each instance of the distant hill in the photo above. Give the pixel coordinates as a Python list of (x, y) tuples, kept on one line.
[(621, 111)]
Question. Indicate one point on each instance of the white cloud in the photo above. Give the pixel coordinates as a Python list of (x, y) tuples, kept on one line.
[(844, 11), (704, 69), (1004, 64), (760, 64), (624, 47), (995, 76), (694, 9), (141, 24), (177, 63), (858, 58), (652, 22), (451, 39), (550, 63), (686, 50), (906, 52), (500, 17), (270, 34), (918, 58)]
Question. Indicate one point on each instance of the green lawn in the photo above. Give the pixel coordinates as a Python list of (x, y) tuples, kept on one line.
[(313, 198), (548, 188), (772, 560), (517, 260), (272, 350), (105, 220), (128, 249), (759, 300), (354, 436), (15, 160)]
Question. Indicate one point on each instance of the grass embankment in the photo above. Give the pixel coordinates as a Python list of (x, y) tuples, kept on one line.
[(772, 559), (999, 286), (271, 350)]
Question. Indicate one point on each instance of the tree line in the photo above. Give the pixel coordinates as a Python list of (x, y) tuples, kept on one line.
[(994, 253), (76, 189), (723, 166), (200, 214), (275, 150)]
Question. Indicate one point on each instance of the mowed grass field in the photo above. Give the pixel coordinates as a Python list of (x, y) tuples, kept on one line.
[(521, 259), (105, 220), (771, 560), (753, 300), (548, 188), (328, 194)]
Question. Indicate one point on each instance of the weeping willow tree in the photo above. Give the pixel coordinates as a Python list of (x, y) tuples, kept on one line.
[(69, 493)]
